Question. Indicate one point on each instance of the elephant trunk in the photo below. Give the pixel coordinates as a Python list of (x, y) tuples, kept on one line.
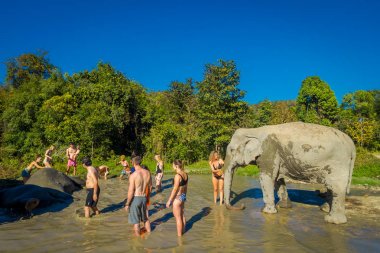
[(228, 176)]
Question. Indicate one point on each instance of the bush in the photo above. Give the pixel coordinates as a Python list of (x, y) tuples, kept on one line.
[(366, 164)]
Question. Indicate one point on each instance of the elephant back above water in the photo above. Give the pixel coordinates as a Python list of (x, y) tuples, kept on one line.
[(45, 187), (54, 179), (300, 151)]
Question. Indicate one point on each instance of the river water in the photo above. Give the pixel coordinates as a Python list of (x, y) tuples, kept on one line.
[(210, 228)]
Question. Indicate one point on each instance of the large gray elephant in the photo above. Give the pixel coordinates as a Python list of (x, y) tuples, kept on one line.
[(300, 151)]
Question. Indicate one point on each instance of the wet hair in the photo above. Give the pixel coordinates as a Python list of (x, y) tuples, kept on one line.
[(178, 163), (71, 143), (122, 157), (38, 156), (211, 157), (136, 160), (86, 161)]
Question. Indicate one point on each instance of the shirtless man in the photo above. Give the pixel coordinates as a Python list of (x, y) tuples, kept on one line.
[(92, 187), (136, 204), (71, 154)]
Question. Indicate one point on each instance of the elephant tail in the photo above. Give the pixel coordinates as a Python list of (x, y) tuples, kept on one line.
[(353, 157)]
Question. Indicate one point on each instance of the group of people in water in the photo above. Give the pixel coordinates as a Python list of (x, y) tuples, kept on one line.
[(140, 184)]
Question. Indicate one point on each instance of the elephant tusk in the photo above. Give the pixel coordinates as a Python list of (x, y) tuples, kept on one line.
[(229, 207)]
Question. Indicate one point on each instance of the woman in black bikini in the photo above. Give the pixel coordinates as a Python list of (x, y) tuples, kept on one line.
[(216, 164), (178, 196)]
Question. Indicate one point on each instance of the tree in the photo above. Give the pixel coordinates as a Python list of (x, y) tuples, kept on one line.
[(362, 132), (220, 105), (316, 102), (26, 66), (358, 118), (283, 112), (360, 103), (175, 129)]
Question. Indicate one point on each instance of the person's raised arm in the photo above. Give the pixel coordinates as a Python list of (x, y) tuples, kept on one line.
[(47, 153), (174, 191), (37, 166), (211, 166)]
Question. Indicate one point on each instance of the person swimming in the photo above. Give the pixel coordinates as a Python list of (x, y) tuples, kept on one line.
[(178, 196)]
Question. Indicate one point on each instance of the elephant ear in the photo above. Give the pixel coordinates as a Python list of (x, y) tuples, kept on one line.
[(252, 150)]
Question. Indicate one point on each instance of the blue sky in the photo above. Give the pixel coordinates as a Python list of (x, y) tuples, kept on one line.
[(275, 44)]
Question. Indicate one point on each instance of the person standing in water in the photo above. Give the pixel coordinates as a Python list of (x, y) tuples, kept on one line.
[(216, 164), (137, 202), (92, 186), (71, 154), (178, 196), (26, 173), (126, 169), (48, 160), (159, 172)]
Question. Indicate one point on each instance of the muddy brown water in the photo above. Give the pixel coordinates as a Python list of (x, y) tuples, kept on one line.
[(210, 228)]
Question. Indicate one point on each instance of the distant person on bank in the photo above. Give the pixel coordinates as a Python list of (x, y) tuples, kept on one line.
[(71, 154), (48, 160)]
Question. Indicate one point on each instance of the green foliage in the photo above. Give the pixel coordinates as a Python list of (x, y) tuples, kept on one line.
[(26, 67), (316, 102), (220, 105), (107, 114), (283, 112), (366, 164), (175, 128), (358, 118)]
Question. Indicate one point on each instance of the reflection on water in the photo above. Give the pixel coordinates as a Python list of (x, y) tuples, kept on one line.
[(209, 228)]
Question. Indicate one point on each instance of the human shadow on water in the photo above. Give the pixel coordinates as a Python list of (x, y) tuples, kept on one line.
[(295, 195), (162, 189), (113, 207), (197, 217), (14, 202), (157, 207), (161, 220), (170, 180)]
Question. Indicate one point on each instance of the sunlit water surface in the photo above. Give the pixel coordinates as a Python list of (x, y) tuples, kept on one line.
[(210, 228)]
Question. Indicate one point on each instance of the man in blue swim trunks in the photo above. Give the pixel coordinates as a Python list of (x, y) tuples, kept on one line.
[(137, 202)]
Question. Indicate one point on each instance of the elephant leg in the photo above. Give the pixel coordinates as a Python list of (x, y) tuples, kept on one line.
[(282, 194), (337, 210), (267, 186)]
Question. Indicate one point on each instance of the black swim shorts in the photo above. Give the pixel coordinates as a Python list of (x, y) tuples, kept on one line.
[(89, 200)]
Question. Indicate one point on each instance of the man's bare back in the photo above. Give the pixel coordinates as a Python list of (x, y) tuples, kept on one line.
[(140, 179)]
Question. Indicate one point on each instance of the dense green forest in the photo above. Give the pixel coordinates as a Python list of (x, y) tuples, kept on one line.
[(108, 114)]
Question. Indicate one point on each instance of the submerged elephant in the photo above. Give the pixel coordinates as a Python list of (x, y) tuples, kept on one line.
[(300, 151), (45, 187)]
